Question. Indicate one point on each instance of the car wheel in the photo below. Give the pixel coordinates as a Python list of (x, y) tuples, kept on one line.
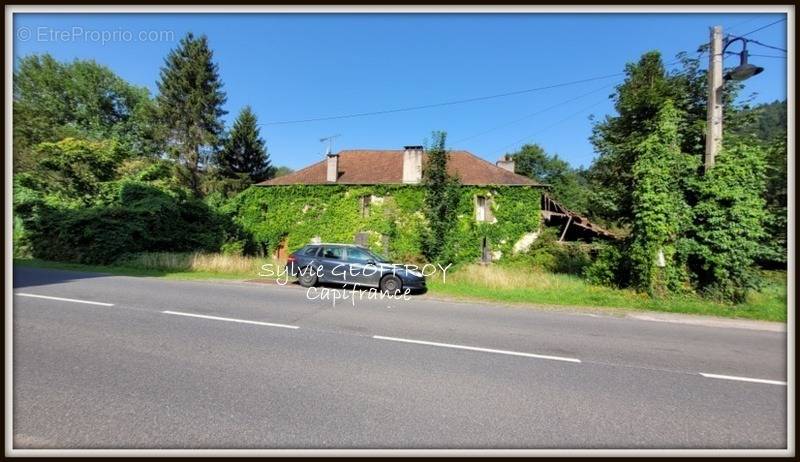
[(391, 284), (308, 278)]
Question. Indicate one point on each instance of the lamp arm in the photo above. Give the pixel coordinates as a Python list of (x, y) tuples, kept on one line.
[(730, 41)]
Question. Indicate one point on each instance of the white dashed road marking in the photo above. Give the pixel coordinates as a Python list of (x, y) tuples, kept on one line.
[(743, 379), (470, 348), (243, 321), (71, 300)]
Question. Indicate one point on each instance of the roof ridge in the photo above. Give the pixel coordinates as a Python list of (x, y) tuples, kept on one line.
[(296, 172), (383, 166), (500, 169)]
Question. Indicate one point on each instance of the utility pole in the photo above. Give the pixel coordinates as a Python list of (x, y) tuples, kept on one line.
[(715, 82)]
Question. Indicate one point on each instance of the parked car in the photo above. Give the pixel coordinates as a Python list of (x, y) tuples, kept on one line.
[(351, 264)]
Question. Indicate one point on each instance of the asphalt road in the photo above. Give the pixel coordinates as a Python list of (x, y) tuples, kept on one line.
[(177, 364)]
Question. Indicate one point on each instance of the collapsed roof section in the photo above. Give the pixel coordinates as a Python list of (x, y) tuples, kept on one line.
[(574, 227)]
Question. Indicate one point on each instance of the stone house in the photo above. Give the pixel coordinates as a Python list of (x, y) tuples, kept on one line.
[(375, 198)]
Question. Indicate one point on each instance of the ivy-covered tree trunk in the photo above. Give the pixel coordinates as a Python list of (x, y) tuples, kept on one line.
[(660, 210), (441, 202), (728, 227)]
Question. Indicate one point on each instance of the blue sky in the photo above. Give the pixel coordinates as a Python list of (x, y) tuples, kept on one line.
[(299, 66)]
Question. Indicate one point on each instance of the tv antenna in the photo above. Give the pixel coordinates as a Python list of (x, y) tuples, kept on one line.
[(329, 140)]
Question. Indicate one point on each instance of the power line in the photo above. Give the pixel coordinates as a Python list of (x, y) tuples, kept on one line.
[(505, 148), (765, 45), (768, 56), (557, 105), (446, 103), (741, 23), (763, 27), (549, 108), (755, 54)]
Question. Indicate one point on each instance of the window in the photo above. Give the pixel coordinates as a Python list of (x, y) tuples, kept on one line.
[(333, 253), (311, 251), (356, 255), (365, 203), (481, 206)]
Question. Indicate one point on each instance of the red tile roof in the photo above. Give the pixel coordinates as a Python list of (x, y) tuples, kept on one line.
[(362, 166)]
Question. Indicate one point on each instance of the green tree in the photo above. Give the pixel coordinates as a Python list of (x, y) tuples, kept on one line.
[(567, 184), (764, 122), (80, 99), (74, 168), (441, 201), (775, 249), (638, 100), (766, 125), (244, 154), (190, 106), (282, 171)]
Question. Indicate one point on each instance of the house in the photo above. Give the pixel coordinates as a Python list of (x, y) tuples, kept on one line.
[(376, 198)]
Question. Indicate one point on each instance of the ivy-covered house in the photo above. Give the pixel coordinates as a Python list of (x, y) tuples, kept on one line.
[(375, 198)]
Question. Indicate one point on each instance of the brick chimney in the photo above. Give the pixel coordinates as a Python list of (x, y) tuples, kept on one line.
[(412, 164), (333, 168), (506, 163)]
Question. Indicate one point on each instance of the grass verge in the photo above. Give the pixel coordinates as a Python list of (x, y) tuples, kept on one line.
[(509, 284), (495, 283)]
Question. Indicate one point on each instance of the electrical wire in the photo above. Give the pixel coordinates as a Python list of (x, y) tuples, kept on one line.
[(763, 27), (531, 135), (756, 54), (769, 56), (765, 45), (446, 103), (741, 23), (533, 114)]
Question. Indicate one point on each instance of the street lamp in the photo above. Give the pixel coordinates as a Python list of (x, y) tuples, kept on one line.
[(716, 81), (744, 70)]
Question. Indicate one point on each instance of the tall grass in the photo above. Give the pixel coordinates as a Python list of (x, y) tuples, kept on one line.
[(198, 262), (503, 277), (523, 284)]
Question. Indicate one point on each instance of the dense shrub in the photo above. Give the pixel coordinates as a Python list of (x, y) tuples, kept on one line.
[(21, 240), (139, 218), (727, 232), (559, 257), (76, 168), (609, 267)]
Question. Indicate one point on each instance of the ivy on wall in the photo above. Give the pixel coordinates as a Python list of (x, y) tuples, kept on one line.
[(295, 214), (516, 210)]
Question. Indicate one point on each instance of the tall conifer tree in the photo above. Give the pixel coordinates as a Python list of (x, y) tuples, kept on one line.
[(244, 152), (190, 103)]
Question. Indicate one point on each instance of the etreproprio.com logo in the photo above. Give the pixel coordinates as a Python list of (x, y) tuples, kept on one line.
[(79, 34)]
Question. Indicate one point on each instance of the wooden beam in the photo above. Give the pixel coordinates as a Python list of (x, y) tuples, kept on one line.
[(565, 229)]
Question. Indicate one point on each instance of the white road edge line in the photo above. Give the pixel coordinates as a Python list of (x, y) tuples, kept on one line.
[(73, 300), (742, 379), (243, 321), (485, 350)]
